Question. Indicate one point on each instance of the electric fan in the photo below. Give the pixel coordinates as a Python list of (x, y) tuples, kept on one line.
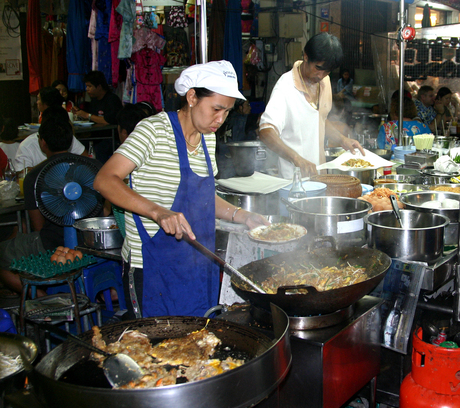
[(64, 192)]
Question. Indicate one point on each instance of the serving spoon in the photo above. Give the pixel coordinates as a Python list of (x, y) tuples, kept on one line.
[(394, 203), (119, 369)]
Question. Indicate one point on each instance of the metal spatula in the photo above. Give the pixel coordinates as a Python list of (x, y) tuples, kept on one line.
[(394, 203), (119, 369)]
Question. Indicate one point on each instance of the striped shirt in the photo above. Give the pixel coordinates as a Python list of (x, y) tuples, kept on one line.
[(152, 148)]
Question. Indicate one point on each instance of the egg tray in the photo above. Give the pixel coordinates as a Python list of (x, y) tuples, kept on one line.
[(41, 266)]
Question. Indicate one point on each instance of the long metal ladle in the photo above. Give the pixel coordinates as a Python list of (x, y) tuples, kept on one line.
[(119, 369), (394, 204), (291, 205), (212, 255)]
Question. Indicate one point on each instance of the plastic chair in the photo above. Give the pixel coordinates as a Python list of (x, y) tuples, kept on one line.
[(102, 276)]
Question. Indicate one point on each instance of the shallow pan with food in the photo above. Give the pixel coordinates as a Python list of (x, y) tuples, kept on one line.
[(393, 178), (304, 300), (268, 355)]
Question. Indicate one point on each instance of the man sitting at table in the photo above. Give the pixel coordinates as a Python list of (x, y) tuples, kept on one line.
[(54, 138), (103, 109), (29, 153)]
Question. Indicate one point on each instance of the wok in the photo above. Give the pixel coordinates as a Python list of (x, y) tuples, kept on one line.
[(269, 362), (314, 302)]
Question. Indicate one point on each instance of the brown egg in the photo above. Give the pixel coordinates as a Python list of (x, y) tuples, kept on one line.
[(61, 259), (54, 258), (65, 250), (70, 257), (71, 251), (59, 248), (79, 254)]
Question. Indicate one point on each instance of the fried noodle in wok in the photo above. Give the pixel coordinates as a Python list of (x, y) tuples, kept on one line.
[(327, 278)]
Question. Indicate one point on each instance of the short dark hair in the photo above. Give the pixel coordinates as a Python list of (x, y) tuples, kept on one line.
[(443, 92), (51, 96), (129, 117), (55, 111), (147, 107), (424, 90), (58, 82), (324, 47), (96, 78), (10, 130), (409, 108), (57, 133)]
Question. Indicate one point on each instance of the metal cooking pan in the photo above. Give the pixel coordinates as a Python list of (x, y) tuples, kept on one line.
[(314, 302), (270, 356)]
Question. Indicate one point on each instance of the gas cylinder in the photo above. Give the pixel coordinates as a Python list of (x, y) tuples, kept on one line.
[(435, 377)]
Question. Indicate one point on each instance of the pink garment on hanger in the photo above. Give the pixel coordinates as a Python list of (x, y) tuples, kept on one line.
[(146, 38), (116, 20)]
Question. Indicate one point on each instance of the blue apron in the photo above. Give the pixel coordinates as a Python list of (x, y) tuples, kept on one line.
[(177, 278)]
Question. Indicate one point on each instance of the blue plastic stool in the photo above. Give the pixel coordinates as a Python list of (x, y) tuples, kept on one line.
[(6, 323), (102, 276)]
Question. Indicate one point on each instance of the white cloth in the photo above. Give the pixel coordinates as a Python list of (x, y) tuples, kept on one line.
[(10, 149), (30, 154), (375, 160), (256, 183), (301, 127)]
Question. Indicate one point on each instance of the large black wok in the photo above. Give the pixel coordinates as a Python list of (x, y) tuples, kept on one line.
[(313, 302), (244, 386)]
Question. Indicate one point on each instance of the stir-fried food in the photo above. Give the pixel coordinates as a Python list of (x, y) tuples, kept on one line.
[(357, 163), (187, 358), (9, 365), (327, 278), (278, 232)]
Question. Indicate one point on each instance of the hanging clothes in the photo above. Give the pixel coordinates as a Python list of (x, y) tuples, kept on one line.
[(78, 46), (33, 35), (127, 8), (216, 28), (92, 37), (53, 56), (116, 21), (233, 43), (104, 55)]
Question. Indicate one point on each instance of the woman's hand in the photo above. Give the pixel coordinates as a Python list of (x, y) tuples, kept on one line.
[(173, 223)]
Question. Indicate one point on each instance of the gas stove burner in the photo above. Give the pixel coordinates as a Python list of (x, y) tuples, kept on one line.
[(306, 322)]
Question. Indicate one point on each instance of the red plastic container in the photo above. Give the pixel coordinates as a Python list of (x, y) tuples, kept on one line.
[(435, 377)]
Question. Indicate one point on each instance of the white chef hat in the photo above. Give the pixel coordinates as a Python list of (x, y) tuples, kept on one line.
[(217, 76)]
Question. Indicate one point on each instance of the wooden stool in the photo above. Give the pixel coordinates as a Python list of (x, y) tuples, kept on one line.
[(34, 281)]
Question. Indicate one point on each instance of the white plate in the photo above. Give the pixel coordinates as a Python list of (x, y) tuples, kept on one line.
[(83, 123), (32, 125), (257, 234)]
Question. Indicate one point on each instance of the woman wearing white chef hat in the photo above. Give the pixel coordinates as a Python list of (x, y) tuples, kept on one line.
[(170, 157)]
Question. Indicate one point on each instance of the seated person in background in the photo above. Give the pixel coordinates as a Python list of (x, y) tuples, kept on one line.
[(8, 137), (29, 153), (147, 107), (387, 138), (103, 109), (62, 88), (128, 118), (46, 98), (339, 116), (444, 97), (240, 125), (55, 138), (345, 85), (427, 113)]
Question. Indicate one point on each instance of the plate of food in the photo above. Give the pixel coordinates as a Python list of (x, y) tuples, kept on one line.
[(83, 123), (277, 233), (32, 125)]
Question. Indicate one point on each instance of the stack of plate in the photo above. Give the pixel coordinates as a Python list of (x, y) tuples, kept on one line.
[(401, 151)]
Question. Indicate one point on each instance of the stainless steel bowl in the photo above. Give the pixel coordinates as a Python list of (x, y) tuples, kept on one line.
[(414, 201), (384, 153), (394, 178), (339, 217), (96, 233), (402, 188), (421, 239), (365, 176), (333, 152)]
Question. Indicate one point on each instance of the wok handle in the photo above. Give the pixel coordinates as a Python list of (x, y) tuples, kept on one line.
[(212, 255)]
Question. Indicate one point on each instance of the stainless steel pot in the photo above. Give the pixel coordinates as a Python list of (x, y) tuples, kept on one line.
[(247, 156), (269, 362), (266, 204), (414, 201), (421, 240), (339, 217), (96, 233), (366, 176)]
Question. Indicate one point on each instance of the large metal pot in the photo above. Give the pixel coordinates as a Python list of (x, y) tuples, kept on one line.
[(365, 176), (313, 302), (265, 204), (421, 239), (414, 201), (14, 345), (339, 217), (97, 233), (247, 156), (269, 363)]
